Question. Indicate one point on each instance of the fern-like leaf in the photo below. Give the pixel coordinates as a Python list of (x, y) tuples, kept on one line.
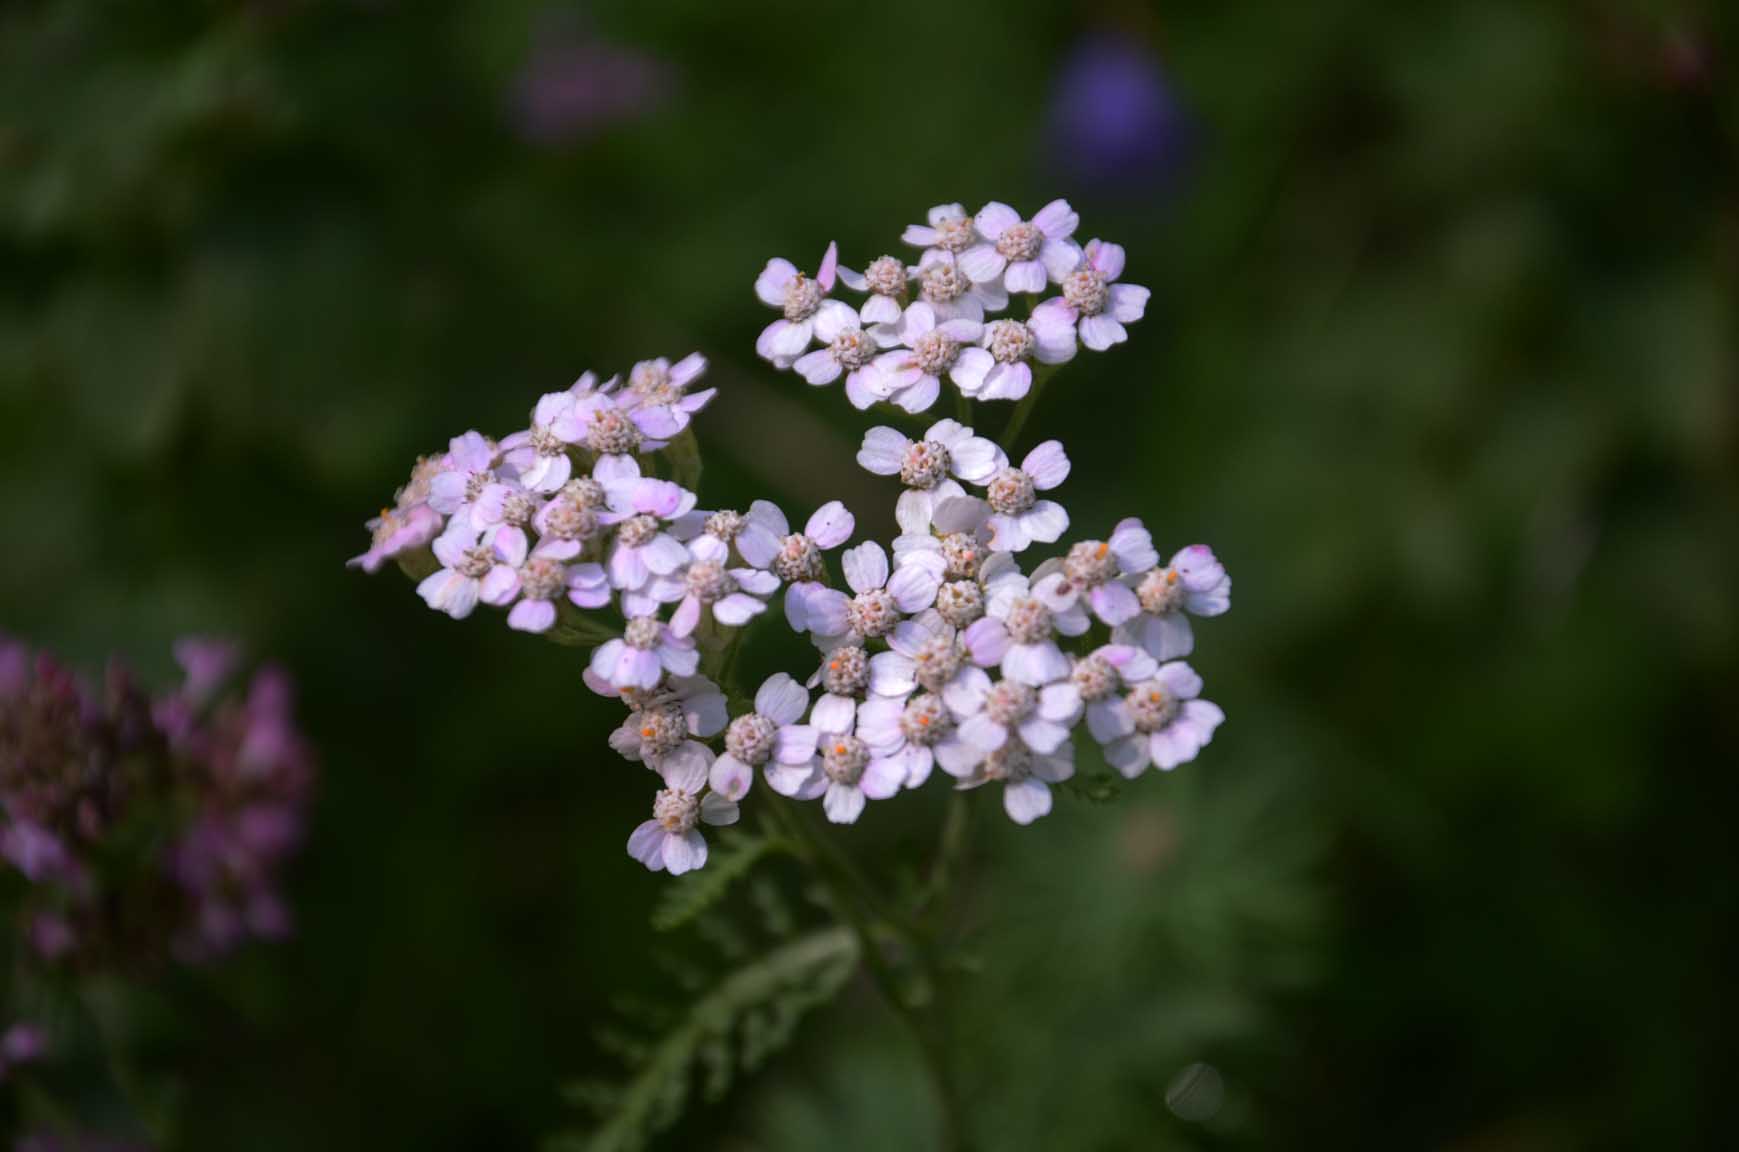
[(729, 1030), (732, 859)]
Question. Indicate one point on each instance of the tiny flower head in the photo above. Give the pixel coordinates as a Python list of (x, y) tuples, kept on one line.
[(395, 532), (1101, 572), (1161, 721), (1027, 775), (944, 285), (848, 347), (1023, 256), (466, 469), (465, 560), (1001, 369), (640, 657), (657, 398), (539, 455), (1018, 517), (912, 374), (1196, 583), (885, 280), (1092, 300), (949, 230), (780, 285), (671, 840), (665, 722)]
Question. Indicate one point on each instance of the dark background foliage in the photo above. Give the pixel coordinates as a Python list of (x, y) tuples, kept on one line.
[(1440, 358)]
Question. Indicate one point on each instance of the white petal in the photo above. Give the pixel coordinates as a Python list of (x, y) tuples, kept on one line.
[(843, 803), (883, 450), (866, 566), (781, 699), (831, 525), (1101, 332)]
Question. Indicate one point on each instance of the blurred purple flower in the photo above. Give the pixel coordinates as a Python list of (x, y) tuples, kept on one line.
[(575, 84), (33, 850), (207, 662), (1114, 120)]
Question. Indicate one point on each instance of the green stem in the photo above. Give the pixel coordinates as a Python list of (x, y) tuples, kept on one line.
[(1042, 374)]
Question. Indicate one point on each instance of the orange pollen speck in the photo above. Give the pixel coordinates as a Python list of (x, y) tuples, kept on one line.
[(1170, 576), (833, 665), (646, 732), (1103, 548), (1156, 697), (923, 721), (839, 749)]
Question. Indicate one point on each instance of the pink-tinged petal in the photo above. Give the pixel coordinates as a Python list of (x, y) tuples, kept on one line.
[(866, 386), (685, 766), (883, 450), (880, 310), (878, 723), (510, 545), (994, 219), (795, 778), (982, 262), (695, 401), (892, 674), (1179, 680), (965, 694), (730, 778), (920, 236), (646, 844), (664, 554), (1107, 259), (796, 607), (737, 609), (1056, 220), (866, 566), (1073, 621), (786, 340), (1007, 382), (553, 473), (824, 610), (987, 642), (832, 715), (1132, 544), (1109, 719), (1047, 464), (1026, 800), (627, 567), (915, 321), (687, 370), (1114, 603), (1101, 332), (964, 331), (1172, 746), (829, 269), (499, 587), (852, 279), (638, 669), (983, 733), (1055, 592), (882, 777), (1026, 276), (913, 588), (718, 810), (709, 549), (957, 757), (1035, 664), (532, 616), (766, 515), (843, 803), (1204, 716), (447, 591), (833, 318), (774, 280), (1053, 325), (1059, 257), (970, 369), (958, 512), (831, 525), (658, 421), (1129, 755), (687, 616), (1128, 302), (818, 367), (920, 396), (795, 743), (1046, 522), (1060, 702), (757, 545), (755, 581), (684, 853), (781, 699)]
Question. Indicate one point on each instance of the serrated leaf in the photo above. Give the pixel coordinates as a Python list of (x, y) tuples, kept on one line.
[(683, 900)]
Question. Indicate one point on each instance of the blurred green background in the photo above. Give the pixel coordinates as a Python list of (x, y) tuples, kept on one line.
[(1440, 358)]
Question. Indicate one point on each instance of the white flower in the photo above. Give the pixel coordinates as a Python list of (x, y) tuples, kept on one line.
[(1002, 368), (606, 427), (845, 770), (990, 712), (1093, 301), (948, 448), (639, 508), (1101, 571), (539, 455), (454, 588), (640, 657), (846, 346), (670, 841), (657, 398), (1022, 256), (944, 285), (1194, 582), (911, 375), (465, 472), (1026, 777), (1101, 677), (885, 280), (881, 598), (1161, 721), (796, 559), (950, 231), (1016, 633), (780, 285), (733, 596), (769, 736), (664, 721), (536, 579), (1018, 517)]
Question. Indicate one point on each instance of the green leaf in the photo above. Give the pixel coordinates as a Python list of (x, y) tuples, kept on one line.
[(731, 860)]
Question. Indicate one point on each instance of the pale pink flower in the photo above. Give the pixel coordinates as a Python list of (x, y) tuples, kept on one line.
[(912, 375), (504, 510), (1018, 630), (657, 398), (950, 231), (990, 714), (882, 598), (1161, 721), (671, 840), (666, 722), (397, 531), (641, 508), (768, 737), (539, 455), (944, 285), (1023, 256), (466, 469), (1102, 676), (797, 558), (885, 279), (1018, 517), (732, 596), (640, 657), (536, 579), (465, 560), (1195, 582), (1026, 776), (1100, 571), (845, 771), (1093, 301), (780, 285), (604, 426), (948, 448), (1002, 368), (848, 347)]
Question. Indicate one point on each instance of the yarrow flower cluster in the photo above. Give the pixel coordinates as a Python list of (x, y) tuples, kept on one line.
[(948, 647)]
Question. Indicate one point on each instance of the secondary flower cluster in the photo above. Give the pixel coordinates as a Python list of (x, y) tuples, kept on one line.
[(147, 824), (937, 650), (938, 317)]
